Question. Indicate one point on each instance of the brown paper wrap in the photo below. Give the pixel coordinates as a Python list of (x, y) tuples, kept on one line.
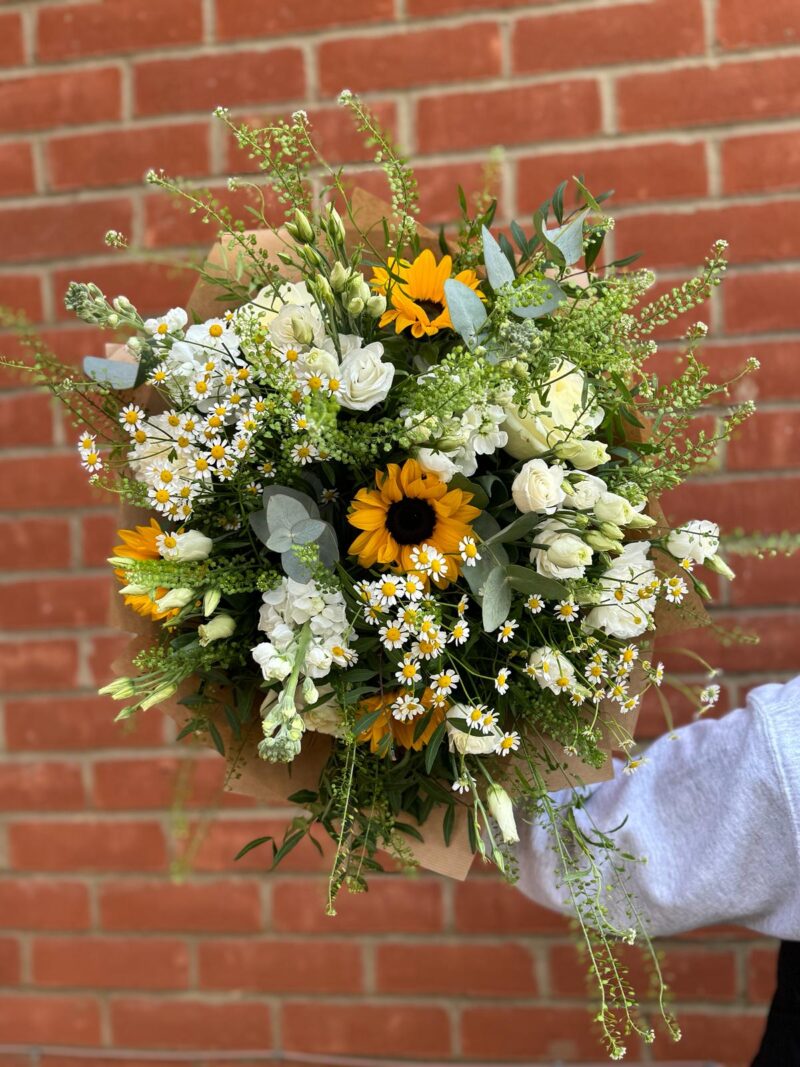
[(273, 783)]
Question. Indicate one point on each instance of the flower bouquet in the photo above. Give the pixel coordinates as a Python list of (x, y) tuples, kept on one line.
[(399, 554)]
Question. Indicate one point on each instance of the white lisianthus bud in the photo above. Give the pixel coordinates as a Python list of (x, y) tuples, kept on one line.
[(640, 521), (190, 547), (158, 697), (305, 231), (211, 601), (502, 811), (601, 543), (335, 224), (614, 508), (134, 590), (582, 454), (119, 689), (610, 529), (538, 487), (340, 276), (376, 305), (302, 330), (175, 598), (355, 305), (216, 629), (322, 285), (719, 566)]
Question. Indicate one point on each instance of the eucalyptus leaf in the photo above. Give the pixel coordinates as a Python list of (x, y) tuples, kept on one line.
[(294, 569), (479, 496), (279, 540), (497, 598), (308, 530), (284, 512), (111, 372), (517, 529), (527, 580), (467, 312), (485, 526), (568, 238), (498, 270), (308, 502), (328, 546)]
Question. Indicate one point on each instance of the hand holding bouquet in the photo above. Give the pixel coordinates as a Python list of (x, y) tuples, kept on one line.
[(400, 508)]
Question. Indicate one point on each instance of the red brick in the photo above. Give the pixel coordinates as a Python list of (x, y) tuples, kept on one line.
[(700, 96), (770, 440), (131, 784), (83, 161), (236, 21), (285, 967), (98, 537), (49, 1020), (776, 378), (410, 58), (771, 499), (34, 544), (660, 29), (207, 907), (104, 653), (760, 582), (757, 233), (761, 974), (10, 962), (21, 292), (438, 198), (761, 162), (29, 904), (423, 8), (16, 167), (513, 1033), (165, 85), (762, 303), (726, 1037), (138, 1022), (642, 173), (87, 845), (68, 31), (26, 419), (151, 287), (66, 98), (75, 723), (55, 603), (38, 665), (224, 838), (488, 906), (110, 963), (516, 115), (366, 1029), (739, 25), (776, 649), (169, 223), (40, 786), (391, 905), (12, 48), (51, 231), (455, 970)]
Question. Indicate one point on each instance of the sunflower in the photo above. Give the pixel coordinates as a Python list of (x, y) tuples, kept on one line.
[(410, 507), (402, 733), (140, 543), (416, 292)]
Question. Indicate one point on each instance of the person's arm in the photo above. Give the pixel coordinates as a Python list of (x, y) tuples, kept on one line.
[(715, 811)]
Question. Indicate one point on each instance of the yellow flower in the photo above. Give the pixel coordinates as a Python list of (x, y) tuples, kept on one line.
[(402, 733), (410, 507), (416, 292), (140, 543)]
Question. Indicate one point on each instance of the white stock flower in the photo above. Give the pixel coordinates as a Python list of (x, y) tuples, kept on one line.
[(566, 555), (538, 487), (697, 539), (558, 415), (366, 379), (275, 666)]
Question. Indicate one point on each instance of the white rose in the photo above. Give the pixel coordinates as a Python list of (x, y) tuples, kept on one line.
[(317, 361), (297, 324), (326, 718), (555, 417), (438, 463), (274, 666), (266, 304), (461, 739), (611, 507), (552, 670), (697, 540), (538, 487), (366, 379), (189, 547), (567, 555), (583, 454), (583, 492)]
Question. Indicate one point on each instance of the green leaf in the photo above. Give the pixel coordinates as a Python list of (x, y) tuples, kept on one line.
[(518, 234), (479, 496), (366, 721), (448, 823), (496, 599), (558, 201), (467, 312), (432, 748), (407, 828), (255, 843), (303, 796), (216, 737), (588, 199), (568, 239), (498, 270), (289, 843), (517, 529), (527, 580), (308, 530)]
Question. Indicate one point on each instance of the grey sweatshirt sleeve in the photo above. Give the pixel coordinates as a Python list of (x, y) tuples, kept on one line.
[(715, 811)]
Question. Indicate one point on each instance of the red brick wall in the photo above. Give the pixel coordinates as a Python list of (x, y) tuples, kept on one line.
[(691, 109)]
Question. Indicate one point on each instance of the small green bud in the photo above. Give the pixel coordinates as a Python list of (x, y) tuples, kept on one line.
[(719, 566), (376, 305), (305, 231), (340, 276), (610, 529)]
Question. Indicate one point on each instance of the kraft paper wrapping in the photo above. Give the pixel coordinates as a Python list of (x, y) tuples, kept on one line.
[(273, 783)]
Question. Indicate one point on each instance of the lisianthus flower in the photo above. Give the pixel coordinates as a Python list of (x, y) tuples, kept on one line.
[(416, 292), (408, 509), (142, 543)]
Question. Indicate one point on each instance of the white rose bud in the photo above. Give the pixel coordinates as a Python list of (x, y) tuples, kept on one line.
[(583, 454), (538, 487), (217, 629), (502, 811)]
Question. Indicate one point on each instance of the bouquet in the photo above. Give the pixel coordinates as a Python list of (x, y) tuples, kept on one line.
[(393, 543)]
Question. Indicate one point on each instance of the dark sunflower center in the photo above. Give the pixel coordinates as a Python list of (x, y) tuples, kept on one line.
[(410, 521), (432, 308)]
